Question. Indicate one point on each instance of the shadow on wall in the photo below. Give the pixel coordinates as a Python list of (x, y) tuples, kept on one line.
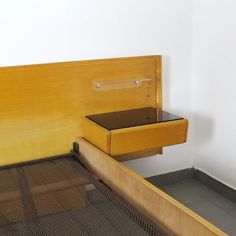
[(166, 75), (203, 129), (178, 157)]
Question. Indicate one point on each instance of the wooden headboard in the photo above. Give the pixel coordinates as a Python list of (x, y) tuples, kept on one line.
[(41, 106)]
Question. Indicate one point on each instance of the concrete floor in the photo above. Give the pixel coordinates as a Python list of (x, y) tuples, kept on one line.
[(209, 204)]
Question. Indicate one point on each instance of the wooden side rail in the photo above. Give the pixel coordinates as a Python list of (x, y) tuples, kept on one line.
[(159, 207)]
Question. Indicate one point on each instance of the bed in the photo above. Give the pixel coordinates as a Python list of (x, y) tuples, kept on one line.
[(48, 189)]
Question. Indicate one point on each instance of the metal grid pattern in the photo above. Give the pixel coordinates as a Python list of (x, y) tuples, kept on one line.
[(59, 197)]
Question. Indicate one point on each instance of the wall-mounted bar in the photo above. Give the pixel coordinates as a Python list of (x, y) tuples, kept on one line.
[(119, 84)]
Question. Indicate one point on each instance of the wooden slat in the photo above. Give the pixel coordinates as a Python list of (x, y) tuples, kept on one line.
[(42, 106), (151, 201)]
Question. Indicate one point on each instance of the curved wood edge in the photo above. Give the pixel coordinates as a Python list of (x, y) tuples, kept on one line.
[(159, 207)]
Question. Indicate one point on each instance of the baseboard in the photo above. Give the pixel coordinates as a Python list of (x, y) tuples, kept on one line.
[(172, 177), (216, 185), (210, 182)]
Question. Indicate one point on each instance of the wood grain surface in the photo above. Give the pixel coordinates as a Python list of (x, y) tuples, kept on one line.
[(42, 106), (158, 206)]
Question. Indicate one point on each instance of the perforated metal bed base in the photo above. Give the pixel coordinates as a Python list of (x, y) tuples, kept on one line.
[(60, 197)]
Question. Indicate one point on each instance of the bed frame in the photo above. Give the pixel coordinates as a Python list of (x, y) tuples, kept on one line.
[(174, 217), (42, 108)]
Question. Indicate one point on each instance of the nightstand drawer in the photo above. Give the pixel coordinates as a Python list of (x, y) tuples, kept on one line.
[(125, 132), (145, 137)]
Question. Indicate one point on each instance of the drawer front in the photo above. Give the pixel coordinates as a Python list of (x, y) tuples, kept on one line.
[(149, 136), (96, 135)]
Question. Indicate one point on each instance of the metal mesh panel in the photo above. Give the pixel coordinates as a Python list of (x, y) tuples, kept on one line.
[(59, 197)]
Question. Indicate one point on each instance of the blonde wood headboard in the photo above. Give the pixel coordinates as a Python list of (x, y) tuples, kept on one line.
[(41, 106)]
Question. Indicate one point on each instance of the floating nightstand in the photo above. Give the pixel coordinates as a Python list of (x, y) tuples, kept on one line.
[(130, 131)]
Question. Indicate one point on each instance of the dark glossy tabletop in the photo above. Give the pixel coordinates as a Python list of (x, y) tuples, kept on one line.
[(131, 118)]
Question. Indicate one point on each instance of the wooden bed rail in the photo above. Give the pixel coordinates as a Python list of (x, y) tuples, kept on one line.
[(162, 209)]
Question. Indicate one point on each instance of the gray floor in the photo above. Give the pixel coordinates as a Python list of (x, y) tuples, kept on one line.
[(209, 204)]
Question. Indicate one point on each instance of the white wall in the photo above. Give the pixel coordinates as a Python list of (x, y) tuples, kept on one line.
[(214, 74), (41, 31)]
